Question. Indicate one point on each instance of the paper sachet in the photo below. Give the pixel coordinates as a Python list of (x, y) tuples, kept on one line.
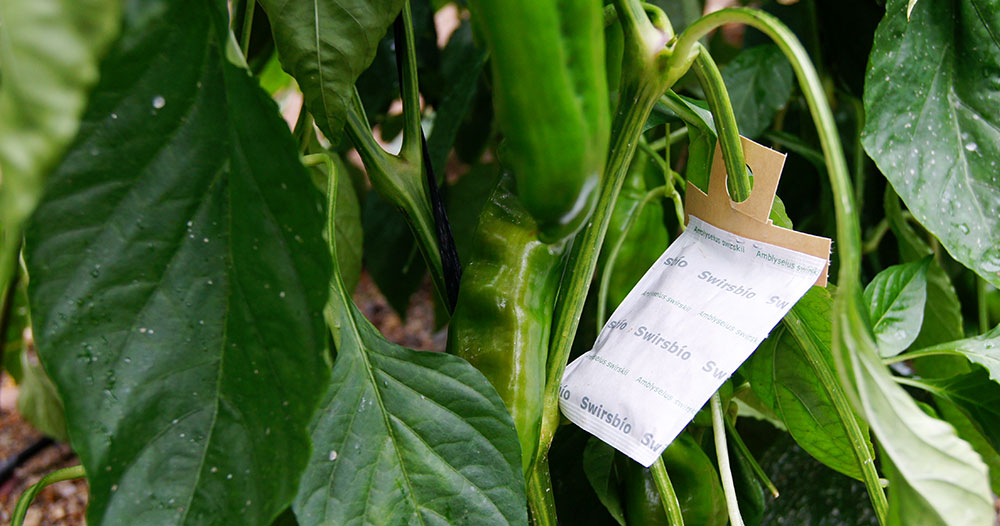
[(693, 318)]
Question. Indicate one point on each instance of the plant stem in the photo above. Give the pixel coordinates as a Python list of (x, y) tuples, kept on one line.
[(871, 244), (671, 177), (406, 64), (710, 78), (24, 502), (674, 137), (679, 106), (540, 499), (828, 380), (848, 229), (247, 26), (722, 453), (744, 451), (609, 264), (667, 494), (644, 60), (983, 307)]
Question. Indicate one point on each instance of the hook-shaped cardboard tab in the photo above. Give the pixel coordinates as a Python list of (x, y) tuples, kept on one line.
[(750, 217)]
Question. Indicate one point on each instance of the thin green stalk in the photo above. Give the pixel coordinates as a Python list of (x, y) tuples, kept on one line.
[(671, 176), (937, 350), (24, 502), (871, 244), (609, 264), (667, 494), (983, 307), (541, 501), (675, 137), (744, 452), (247, 26), (410, 88), (710, 78), (794, 144), (722, 454)]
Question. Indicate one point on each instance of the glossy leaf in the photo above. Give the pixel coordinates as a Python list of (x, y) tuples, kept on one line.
[(407, 437), (942, 310), (177, 269), (49, 54), (896, 299), (326, 46), (932, 118), (759, 81), (976, 396), (598, 465), (38, 402), (983, 349)]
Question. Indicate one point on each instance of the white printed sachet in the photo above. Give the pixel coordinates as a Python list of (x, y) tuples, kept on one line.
[(693, 318)]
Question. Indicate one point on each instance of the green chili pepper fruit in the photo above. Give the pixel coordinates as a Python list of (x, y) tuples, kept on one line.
[(551, 99), (503, 316), (694, 478)]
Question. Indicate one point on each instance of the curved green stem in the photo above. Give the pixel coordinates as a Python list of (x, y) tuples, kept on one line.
[(247, 26), (722, 454), (710, 78), (672, 178), (609, 264), (680, 107), (667, 494), (936, 350), (409, 84), (848, 229), (744, 452), (674, 137), (24, 502)]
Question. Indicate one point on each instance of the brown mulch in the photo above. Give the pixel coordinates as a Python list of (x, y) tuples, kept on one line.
[(65, 503)]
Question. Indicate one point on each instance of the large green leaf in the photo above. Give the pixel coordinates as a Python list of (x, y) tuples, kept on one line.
[(896, 299), (326, 45), (927, 454), (178, 277), (759, 81), (782, 375), (407, 437), (49, 54), (933, 121)]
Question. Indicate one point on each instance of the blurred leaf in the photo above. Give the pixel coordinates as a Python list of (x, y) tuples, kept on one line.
[(896, 298), (932, 114), (38, 402), (49, 54), (759, 81), (975, 395), (178, 277)]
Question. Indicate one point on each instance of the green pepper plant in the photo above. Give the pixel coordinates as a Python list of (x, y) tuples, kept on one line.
[(186, 260)]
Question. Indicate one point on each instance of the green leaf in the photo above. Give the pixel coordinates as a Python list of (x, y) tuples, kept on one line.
[(896, 299), (942, 310), (349, 231), (598, 464), (783, 377), (175, 287), (759, 81), (983, 349), (407, 437), (326, 46), (975, 395), (972, 433), (932, 119), (928, 455), (49, 54), (38, 402)]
